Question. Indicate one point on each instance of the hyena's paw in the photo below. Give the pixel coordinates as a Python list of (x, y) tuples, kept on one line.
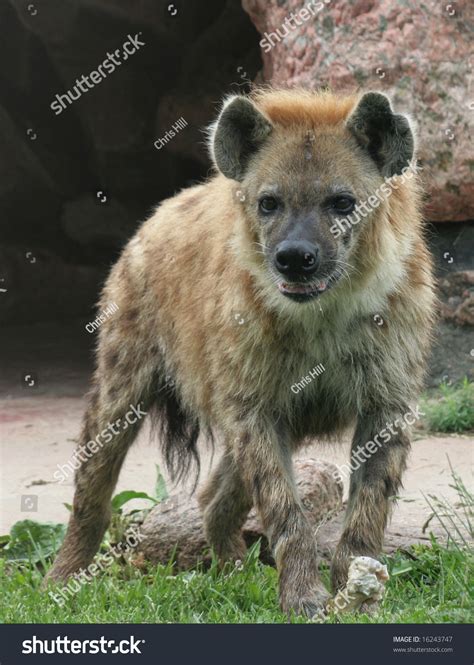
[(230, 550), (339, 572), (340, 566), (59, 573), (310, 603)]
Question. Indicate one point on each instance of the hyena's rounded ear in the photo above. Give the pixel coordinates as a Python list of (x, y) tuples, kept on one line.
[(239, 131), (387, 136)]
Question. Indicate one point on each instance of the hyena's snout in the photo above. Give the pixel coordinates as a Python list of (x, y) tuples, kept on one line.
[(299, 264), (297, 259)]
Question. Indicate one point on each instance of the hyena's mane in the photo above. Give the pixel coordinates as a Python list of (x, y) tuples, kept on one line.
[(301, 107)]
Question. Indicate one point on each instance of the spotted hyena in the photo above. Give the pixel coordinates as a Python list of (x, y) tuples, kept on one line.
[(236, 288)]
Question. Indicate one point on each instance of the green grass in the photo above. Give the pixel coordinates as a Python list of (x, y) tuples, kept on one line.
[(451, 409), (427, 584)]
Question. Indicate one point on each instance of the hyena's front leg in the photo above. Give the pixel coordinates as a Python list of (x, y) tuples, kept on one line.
[(267, 470), (225, 503), (377, 479)]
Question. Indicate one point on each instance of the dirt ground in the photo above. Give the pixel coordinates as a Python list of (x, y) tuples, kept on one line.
[(40, 422), (38, 434)]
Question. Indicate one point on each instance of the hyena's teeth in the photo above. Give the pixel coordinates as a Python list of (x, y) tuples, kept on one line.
[(296, 288), (303, 288)]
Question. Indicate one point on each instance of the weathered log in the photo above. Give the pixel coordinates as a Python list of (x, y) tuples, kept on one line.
[(174, 528)]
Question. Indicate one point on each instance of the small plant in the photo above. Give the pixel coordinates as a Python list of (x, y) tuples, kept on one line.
[(34, 543), (457, 519), (31, 542), (429, 583), (120, 521), (453, 410)]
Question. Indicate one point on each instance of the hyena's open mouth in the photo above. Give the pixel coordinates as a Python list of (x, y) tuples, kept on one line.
[(304, 291)]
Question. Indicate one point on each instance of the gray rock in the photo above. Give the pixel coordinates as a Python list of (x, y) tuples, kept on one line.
[(36, 285), (96, 219)]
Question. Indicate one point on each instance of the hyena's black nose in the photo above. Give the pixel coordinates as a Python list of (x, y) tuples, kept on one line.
[(296, 258)]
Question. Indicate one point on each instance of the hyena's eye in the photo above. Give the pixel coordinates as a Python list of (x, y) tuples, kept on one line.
[(343, 205), (268, 204)]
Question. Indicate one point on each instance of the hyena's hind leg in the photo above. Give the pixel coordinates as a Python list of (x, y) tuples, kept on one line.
[(225, 504), (111, 427), (129, 362)]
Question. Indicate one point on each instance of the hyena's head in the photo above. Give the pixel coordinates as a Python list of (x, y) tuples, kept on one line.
[(305, 164)]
